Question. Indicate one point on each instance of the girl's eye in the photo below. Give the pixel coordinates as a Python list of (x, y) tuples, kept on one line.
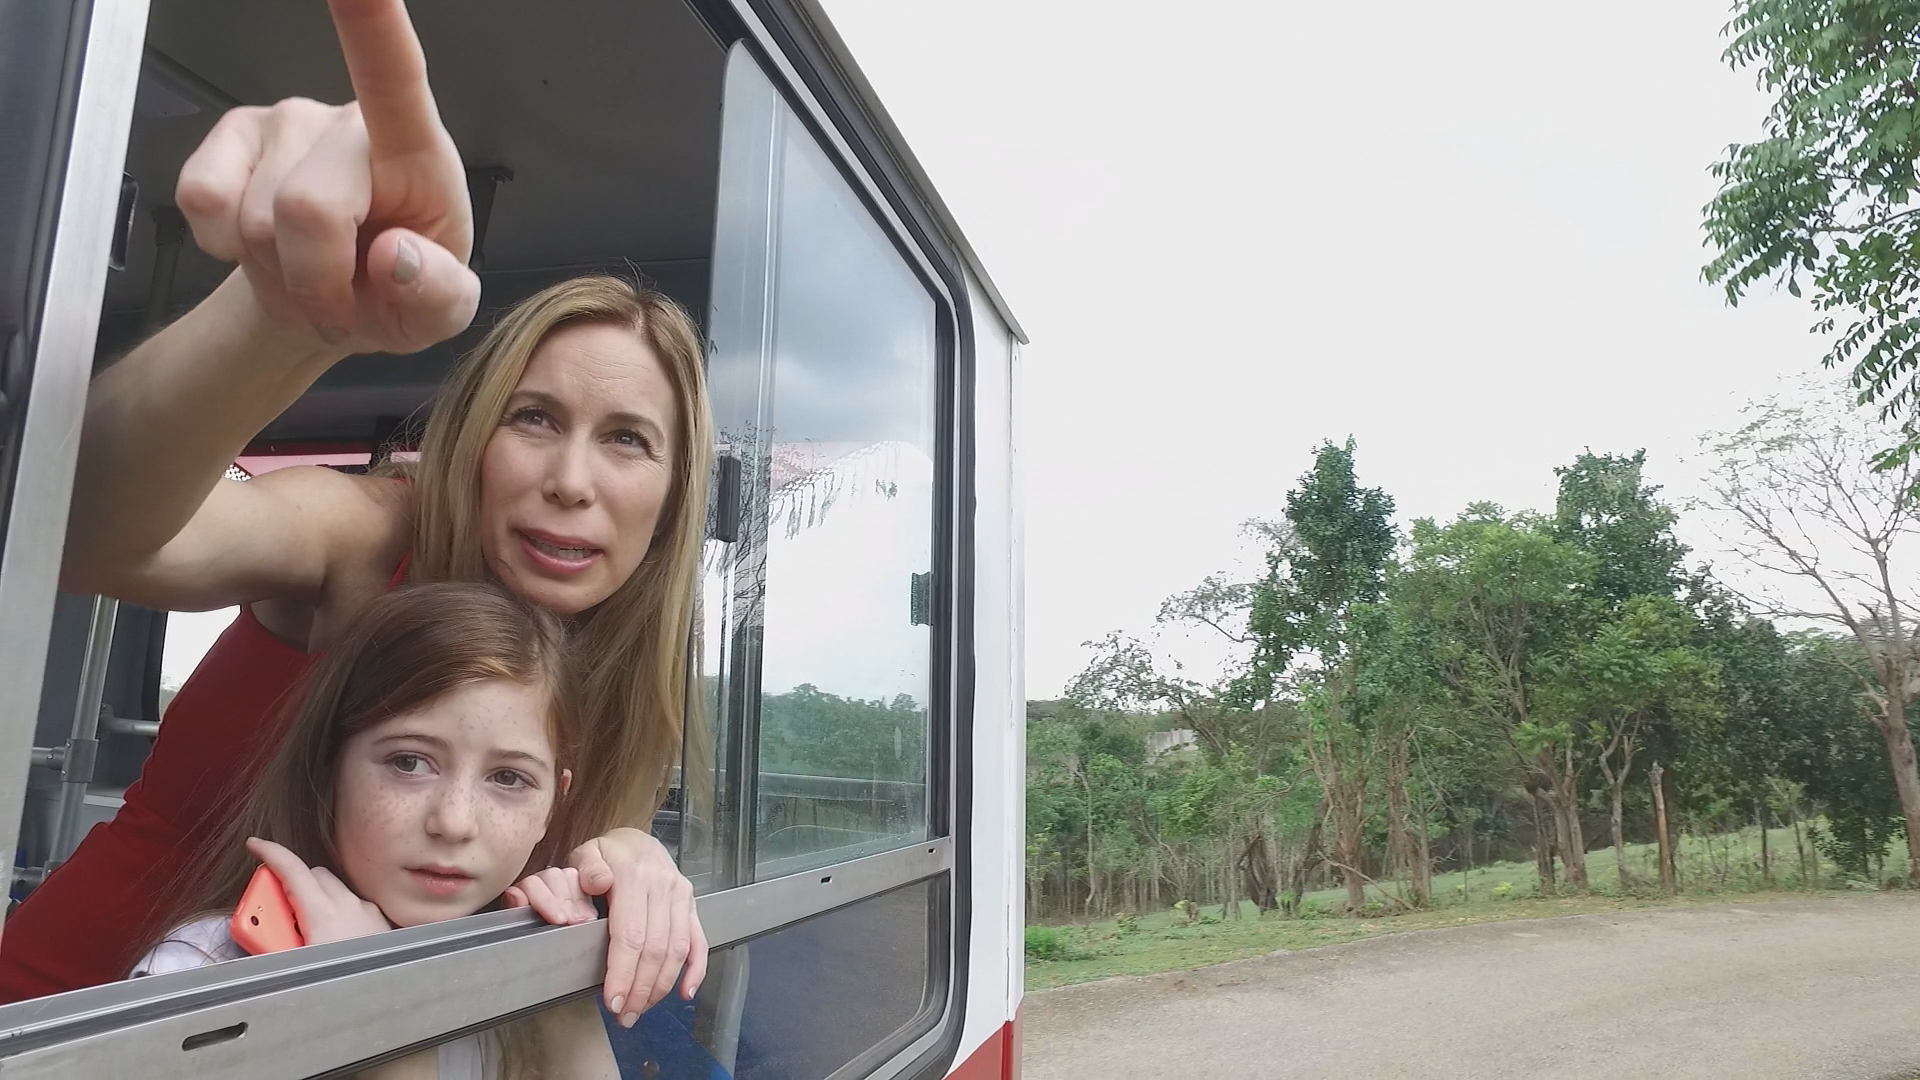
[(408, 764), (509, 778)]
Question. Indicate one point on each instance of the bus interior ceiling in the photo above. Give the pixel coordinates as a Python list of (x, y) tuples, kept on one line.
[(604, 113)]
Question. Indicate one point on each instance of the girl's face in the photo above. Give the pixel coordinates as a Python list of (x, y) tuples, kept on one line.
[(436, 811), (573, 480)]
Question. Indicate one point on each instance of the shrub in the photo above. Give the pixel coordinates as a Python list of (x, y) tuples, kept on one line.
[(1503, 890), (1045, 943), (1127, 924)]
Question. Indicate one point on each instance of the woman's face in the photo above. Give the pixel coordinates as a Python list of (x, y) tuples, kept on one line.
[(436, 811), (573, 480)]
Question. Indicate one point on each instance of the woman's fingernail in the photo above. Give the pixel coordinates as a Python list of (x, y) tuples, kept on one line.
[(406, 261), (627, 1019), (618, 1000)]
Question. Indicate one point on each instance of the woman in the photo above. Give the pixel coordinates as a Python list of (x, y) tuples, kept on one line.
[(566, 458)]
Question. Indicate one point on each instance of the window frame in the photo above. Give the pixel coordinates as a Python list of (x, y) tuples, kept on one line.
[(136, 1024), (99, 69)]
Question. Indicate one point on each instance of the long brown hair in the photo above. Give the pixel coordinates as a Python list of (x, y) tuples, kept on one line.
[(407, 648), (632, 646)]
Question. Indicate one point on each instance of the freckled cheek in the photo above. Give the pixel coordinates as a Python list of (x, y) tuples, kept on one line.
[(514, 829), (377, 823)]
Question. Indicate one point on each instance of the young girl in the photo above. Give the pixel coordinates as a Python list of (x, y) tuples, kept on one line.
[(418, 779)]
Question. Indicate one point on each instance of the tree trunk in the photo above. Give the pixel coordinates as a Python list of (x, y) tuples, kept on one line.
[(1347, 839), (1573, 843), (1660, 829), (1619, 833), (1399, 837), (1422, 862), (1092, 888), (1230, 908), (1766, 861), (1466, 876), (1906, 781), (1542, 842), (1309, 855), (1257, 873), (1799, 842)]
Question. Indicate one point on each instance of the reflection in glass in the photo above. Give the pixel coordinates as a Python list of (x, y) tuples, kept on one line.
[(815, 638), (850, 469), (800, 1003)]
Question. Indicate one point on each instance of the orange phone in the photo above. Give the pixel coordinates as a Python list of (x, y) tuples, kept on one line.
[(264, 921)]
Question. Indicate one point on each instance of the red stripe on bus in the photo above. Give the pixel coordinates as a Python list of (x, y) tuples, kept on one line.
[(998, 1058)]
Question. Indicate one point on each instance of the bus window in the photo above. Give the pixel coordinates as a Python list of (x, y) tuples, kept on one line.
[(189, 635), (824, 392), (803, 1002), (854, 983)]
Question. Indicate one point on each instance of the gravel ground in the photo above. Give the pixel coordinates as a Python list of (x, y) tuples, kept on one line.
[(1796, 989)]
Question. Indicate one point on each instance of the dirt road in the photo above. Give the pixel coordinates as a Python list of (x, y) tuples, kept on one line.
[(1819, 988)]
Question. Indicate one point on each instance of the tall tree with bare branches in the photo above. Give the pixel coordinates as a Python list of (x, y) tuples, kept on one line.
[(1822, 533)]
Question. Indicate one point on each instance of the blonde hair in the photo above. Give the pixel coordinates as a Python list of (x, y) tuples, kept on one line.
[(632, 646)]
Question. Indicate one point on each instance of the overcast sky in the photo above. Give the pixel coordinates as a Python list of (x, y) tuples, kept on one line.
[(1465, 234)]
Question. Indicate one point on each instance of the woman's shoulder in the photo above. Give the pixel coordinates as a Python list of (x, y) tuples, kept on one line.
[(195, 945)]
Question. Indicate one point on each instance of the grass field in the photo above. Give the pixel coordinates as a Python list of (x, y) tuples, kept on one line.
[(1718, 869)]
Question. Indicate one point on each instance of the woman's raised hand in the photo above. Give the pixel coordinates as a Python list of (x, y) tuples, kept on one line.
[(654, 929), (322, 904), (352, 223), (555, 895)]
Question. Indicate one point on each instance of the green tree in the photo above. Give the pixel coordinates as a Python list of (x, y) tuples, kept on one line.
[(1318, 604), (1639, 670), (1839, 759), (1606, 508), (1826, 195), (1497, 593)]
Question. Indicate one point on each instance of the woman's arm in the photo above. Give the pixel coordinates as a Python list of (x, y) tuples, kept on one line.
[(351, 227), (152, 520)]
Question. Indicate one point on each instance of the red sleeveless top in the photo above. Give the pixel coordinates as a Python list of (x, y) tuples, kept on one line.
[(78, 929)]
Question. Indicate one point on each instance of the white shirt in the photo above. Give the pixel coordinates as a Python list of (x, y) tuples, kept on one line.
[(206, 941)]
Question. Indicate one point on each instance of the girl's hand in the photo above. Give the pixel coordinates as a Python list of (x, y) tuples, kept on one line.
[(555, 895), (654, 930), (322, 904)]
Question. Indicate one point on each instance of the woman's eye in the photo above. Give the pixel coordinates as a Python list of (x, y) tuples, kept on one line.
[(632, 439), (529, 415)]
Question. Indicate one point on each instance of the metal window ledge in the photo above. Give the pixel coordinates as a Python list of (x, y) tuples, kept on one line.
[(310, 1011)]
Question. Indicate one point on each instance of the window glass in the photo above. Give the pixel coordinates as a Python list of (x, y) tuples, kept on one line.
[(799, 1003), (568, 1039), (816, 638), (846, 651)]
